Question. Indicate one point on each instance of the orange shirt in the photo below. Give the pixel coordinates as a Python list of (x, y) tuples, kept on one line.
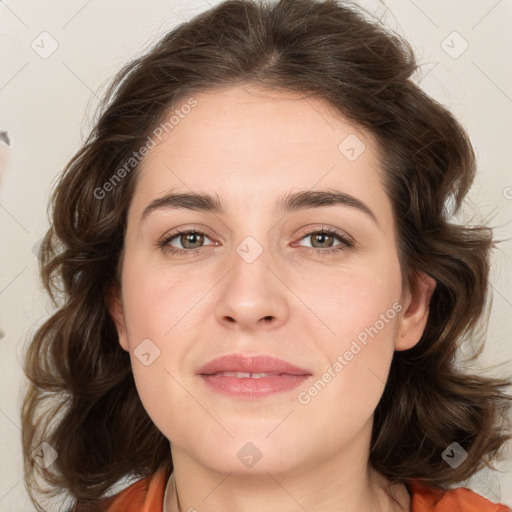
[(147, 495)]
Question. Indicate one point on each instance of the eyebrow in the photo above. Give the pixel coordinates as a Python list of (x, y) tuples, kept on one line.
[(289, 202)]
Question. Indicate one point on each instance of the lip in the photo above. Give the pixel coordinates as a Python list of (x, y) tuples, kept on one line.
[(251, 364), (283, 376)]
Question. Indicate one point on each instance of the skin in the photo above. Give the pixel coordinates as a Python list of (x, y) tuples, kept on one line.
[(250, 146)]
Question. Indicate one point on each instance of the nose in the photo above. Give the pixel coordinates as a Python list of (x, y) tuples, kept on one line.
[(252, 296)]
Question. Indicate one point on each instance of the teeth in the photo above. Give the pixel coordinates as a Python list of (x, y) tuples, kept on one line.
[(244, 375)]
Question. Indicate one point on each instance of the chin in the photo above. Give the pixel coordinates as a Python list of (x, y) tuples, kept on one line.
[(250, 455)]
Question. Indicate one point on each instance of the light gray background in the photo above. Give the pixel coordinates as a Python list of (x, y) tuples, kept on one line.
[(47, 106)]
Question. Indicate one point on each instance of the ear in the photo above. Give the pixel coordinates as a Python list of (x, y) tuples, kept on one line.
[(415, 311), (115, 308)]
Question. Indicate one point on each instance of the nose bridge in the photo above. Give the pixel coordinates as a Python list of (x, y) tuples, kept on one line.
[(251, 293)]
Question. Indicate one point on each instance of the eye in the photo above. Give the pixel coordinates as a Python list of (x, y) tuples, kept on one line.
[(191, 240), (323, 241)]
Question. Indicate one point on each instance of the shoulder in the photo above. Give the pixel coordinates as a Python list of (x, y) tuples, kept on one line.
[(431, 499), (145, 495)]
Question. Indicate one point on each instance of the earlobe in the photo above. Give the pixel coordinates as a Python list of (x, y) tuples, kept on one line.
[(415, 311), (116, 311)]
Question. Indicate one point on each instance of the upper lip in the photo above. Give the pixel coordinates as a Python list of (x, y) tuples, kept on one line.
[(251, 364)]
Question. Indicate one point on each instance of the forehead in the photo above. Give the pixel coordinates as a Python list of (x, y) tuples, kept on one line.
[(250, 144)]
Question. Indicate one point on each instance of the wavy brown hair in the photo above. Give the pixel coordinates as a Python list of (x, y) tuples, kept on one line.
[(82, 398)]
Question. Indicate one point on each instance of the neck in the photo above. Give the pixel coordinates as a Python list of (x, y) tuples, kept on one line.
[(377, 494)]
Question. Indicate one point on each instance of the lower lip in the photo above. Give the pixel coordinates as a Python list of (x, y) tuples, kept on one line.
[(253, 387)]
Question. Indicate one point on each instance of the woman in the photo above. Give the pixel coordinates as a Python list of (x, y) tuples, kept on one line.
[(263, 292)]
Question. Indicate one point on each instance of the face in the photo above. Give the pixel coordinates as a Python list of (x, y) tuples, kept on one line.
[(257, 278)]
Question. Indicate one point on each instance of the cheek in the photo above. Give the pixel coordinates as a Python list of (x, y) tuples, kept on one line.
[(357, 315), (159, 300), (161, 306), (347, 301)]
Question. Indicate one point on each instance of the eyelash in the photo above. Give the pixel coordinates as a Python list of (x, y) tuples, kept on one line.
[(346, 242)]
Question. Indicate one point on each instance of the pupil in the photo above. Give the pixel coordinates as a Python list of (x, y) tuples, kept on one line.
[(189, 237), (322, 236)]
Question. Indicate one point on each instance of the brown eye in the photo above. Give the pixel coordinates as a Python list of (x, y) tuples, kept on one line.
[(184, 241), (326, 241), (191, 240), (322, 239)]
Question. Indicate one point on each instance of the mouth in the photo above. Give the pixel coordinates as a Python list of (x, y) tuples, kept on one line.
[(250, 377), (254, 365), (247, 375)]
